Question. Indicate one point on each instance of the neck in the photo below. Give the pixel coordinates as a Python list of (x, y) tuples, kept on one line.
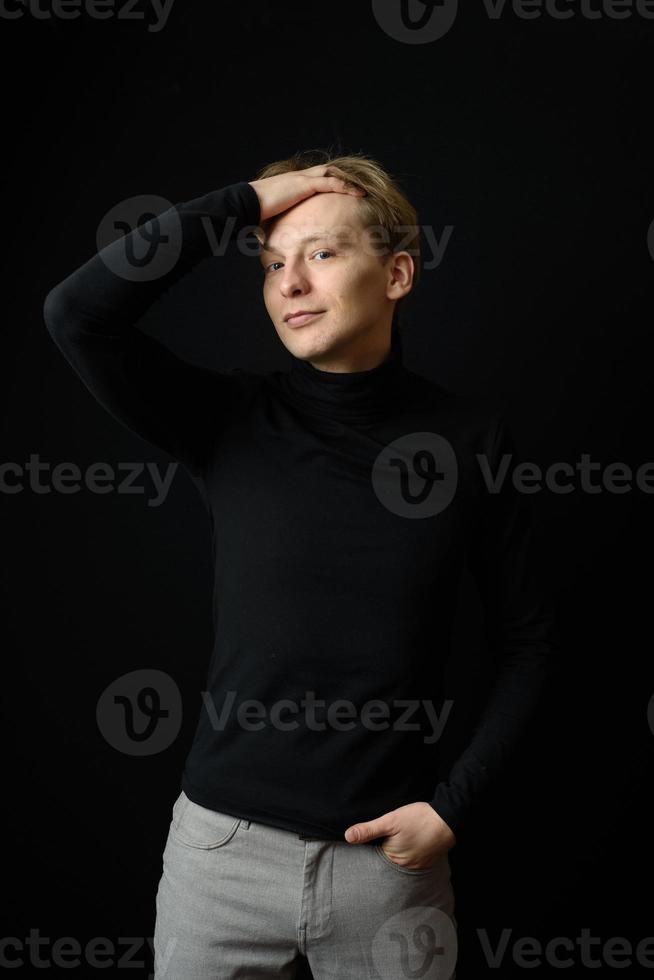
[(352, 361), (347, 396)]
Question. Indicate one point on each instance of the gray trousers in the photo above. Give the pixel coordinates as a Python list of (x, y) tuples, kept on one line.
[(240, 899)]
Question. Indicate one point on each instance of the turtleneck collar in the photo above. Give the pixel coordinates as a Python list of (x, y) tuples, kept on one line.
[(349, 395)]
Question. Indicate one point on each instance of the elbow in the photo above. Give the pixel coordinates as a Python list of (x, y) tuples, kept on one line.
[(57, 311), (51, 309)]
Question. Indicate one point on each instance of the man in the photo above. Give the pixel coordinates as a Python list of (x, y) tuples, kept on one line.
[(346, 499)]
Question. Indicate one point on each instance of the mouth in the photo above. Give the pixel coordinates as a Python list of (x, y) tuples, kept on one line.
[(302, 318)]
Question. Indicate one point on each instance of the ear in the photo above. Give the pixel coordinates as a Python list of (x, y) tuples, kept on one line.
[(401, 271)]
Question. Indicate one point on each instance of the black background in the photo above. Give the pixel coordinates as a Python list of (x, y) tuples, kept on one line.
[(531, 138)]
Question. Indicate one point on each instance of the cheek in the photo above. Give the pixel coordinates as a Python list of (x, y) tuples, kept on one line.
[(270, 300), (360, 285), (344, 285)]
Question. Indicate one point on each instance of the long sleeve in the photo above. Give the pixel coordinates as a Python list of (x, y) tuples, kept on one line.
[(519, 621), (92, 314)]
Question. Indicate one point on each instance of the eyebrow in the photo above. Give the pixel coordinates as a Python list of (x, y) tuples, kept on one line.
[(340, 236)]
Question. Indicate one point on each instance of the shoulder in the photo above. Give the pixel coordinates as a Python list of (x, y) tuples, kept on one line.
[(482, 413)]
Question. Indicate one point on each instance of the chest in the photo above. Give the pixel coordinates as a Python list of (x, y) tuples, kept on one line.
[(383, 508)]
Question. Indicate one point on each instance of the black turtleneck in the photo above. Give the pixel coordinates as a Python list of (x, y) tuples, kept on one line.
[(335, 577), (347, 396)]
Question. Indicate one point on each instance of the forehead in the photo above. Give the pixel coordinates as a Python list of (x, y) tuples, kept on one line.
[(324, 216)]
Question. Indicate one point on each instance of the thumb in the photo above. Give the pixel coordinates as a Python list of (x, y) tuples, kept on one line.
[(359, 833)]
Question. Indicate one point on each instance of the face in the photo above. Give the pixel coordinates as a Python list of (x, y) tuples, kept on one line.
[(339, 274)]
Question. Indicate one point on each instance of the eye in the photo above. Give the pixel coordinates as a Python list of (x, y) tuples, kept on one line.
[(322, 251)]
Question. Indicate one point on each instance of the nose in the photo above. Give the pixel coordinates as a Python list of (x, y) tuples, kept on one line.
[(293, 281)]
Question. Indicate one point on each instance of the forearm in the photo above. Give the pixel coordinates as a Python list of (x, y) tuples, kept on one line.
[(92, 315), (519, 619), (518, 689), (108, 294)]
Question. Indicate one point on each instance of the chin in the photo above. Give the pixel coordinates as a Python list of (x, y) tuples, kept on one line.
[(307, 343)]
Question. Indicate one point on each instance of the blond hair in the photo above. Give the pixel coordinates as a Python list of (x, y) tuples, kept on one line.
[(385, 206)]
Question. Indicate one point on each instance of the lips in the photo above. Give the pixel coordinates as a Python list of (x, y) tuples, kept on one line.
[(301, 318)]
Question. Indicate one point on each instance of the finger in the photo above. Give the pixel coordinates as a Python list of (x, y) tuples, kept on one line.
[(337, 185), (320, 170), (360, 832)]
